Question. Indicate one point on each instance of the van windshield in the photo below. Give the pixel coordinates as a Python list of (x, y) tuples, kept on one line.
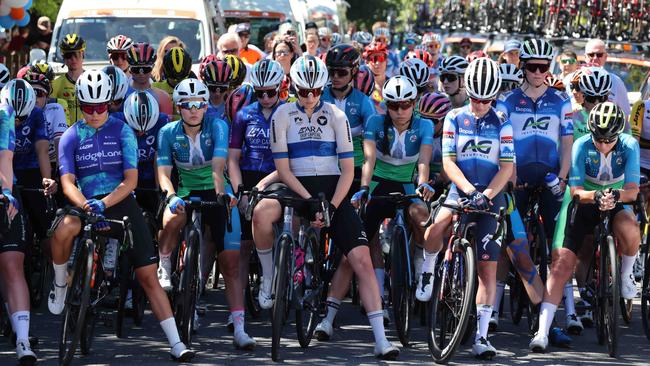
[(259, 28), (97, 31)]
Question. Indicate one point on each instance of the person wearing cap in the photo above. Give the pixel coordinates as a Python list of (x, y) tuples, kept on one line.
[(510, 53), (249, 53), (42, 37), (465, 45)]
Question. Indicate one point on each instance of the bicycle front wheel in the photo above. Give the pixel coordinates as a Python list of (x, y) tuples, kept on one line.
[(280, 293), (645, 296), (611, 301), (76, 304), (401, 293), (307, 295), (189, 287), (451, 304)]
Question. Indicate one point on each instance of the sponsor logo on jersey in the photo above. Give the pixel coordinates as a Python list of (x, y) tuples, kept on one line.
[(467, 132), (413, 138), (310, 132), (297, 120), (150, 140), (523, 110), (522, 101), (98, 155), (466, 122), (447, 134), (541, 124), (321, 120), (483, 147), (26, 130)]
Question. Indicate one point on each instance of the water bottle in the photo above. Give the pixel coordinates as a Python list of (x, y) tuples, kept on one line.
[(553, 184), (110, 254)]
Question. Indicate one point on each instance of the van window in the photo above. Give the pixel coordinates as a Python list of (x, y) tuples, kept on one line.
[(97, 31), (259, 28)]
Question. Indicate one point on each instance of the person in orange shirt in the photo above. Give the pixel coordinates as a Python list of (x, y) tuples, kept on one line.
[(248, 52)]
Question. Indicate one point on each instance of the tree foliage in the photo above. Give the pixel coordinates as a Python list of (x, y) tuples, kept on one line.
[(366, 12), (49, 8)]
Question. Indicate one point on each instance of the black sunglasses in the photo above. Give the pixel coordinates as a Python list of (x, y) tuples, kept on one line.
[(340, 72), (269, 93), (537, 67), (217, 88), (140, 69), (595, 99), (448, 78)]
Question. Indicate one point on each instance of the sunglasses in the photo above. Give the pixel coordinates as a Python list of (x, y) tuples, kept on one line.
[(342, 72), (607, 141), (595, 99), (230, 51), (40, 93), (568, 61), (508, 85), (596, 54), (221, 88), (269, 93), (117, 55), (282, 53), (480, 101), (376, 58), (291, 33), (195, 104), (326, 39), (435, 46), (404, 105), (244, 35), (94, 108), (448, 78), (542, 68), (69, 55), (140, 69), (306, 92), (465, 47), (410, 41)]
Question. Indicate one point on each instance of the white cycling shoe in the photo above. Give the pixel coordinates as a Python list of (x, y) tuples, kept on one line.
[(265, 299), (324, 330)]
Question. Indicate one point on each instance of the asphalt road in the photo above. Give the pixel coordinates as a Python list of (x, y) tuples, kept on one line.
[(352, 343)]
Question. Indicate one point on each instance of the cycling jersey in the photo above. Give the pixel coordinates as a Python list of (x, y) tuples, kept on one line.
[(7, 128), (312, 145), (580, 127), (358, 108), (98, 157), (404, 148), (28, 133), (219, 111), (162, 97), (64, 88), (618, 95), (435, 164), (478, 145), (538, 128), (56, 124), (392, 64), (378, 100), (250, 134), (147, 144), (594, 171), (640, 123), (193, 157)]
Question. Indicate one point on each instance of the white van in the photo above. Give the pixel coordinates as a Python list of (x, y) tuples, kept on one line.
[(96, 21)]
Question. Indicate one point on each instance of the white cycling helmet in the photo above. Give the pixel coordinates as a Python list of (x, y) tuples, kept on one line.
[(482, 78), (324, 32), (119, 79), (266, 73), (510, 72), (190, 88), (595, 81), (4, 75), (362, 37), (141, 111), (430, 37), (336, 39), (453, 65), (94, 87), (20, 95), (382, 32), (399, 88), (417, 70), (536, 49), (119, 43), (309, 72)]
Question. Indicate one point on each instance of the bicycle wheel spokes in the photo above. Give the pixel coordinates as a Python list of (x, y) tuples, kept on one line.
[(189, 283), (611, 301), (307, 293), (400, 286), (280, 292)]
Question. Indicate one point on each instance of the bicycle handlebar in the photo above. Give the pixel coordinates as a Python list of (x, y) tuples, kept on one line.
[(397, 198), (465, 209), (256, 195), (50, 202), (90, 218), (223, 200)]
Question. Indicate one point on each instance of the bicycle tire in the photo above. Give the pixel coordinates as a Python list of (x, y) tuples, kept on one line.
[(139, 304), (401, 293), (307, 312), (439, 317), (627, 306), (645, 294), (189, 287), (123, 292), (76, 304), (280, 287), (253, 288), (612, 298), (542, 250), (88, 331), (518, 299)]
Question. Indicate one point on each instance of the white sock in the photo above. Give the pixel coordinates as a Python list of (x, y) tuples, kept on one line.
[(238, 320), (429, 264), (546, 316), (20, 320), (380, 275), (627, 263), (333, 305), (483, 314), (497, 299), (266, 260), (169, 327), (418, 261), (60, 273), (376, 319), (569, 302)]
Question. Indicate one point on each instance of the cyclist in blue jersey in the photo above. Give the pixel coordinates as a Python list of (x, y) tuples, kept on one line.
[(605, 171), (342, 65), (478, 158), (451, 70), (197, 145), (217, 75), (249, 149), (98, 164), (313, 153), (13, 243), (395, 145)]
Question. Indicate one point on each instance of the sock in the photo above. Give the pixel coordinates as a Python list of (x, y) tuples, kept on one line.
[(546, 316), (497, 299), (333, 305), (429, 261), (376, 319), (169, 327), (11, 319), (238, 319), (379, 274), (60, 273), (266, 260), (418, 261), (627, 263), (569, 302), (483, 314), (20, 320)]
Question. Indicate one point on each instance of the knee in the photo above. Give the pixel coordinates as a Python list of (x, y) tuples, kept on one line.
[(561, 268), (265, 213), (67, 229), (147, 276), (173, 222), (360, 259)]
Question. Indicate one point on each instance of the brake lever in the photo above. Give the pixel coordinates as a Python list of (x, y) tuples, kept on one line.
[(325, 208), (252, 201)]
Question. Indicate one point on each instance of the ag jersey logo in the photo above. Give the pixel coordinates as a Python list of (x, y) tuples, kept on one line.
[(540, 124), (483, 146)]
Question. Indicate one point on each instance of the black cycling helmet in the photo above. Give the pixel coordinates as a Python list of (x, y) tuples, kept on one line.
[(177, 64), (141, 54), (606, 121), (43, 68), (343, 55), (71, 43)]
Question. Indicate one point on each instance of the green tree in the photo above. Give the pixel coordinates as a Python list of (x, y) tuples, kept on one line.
[(366, 12), (49, 8)]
